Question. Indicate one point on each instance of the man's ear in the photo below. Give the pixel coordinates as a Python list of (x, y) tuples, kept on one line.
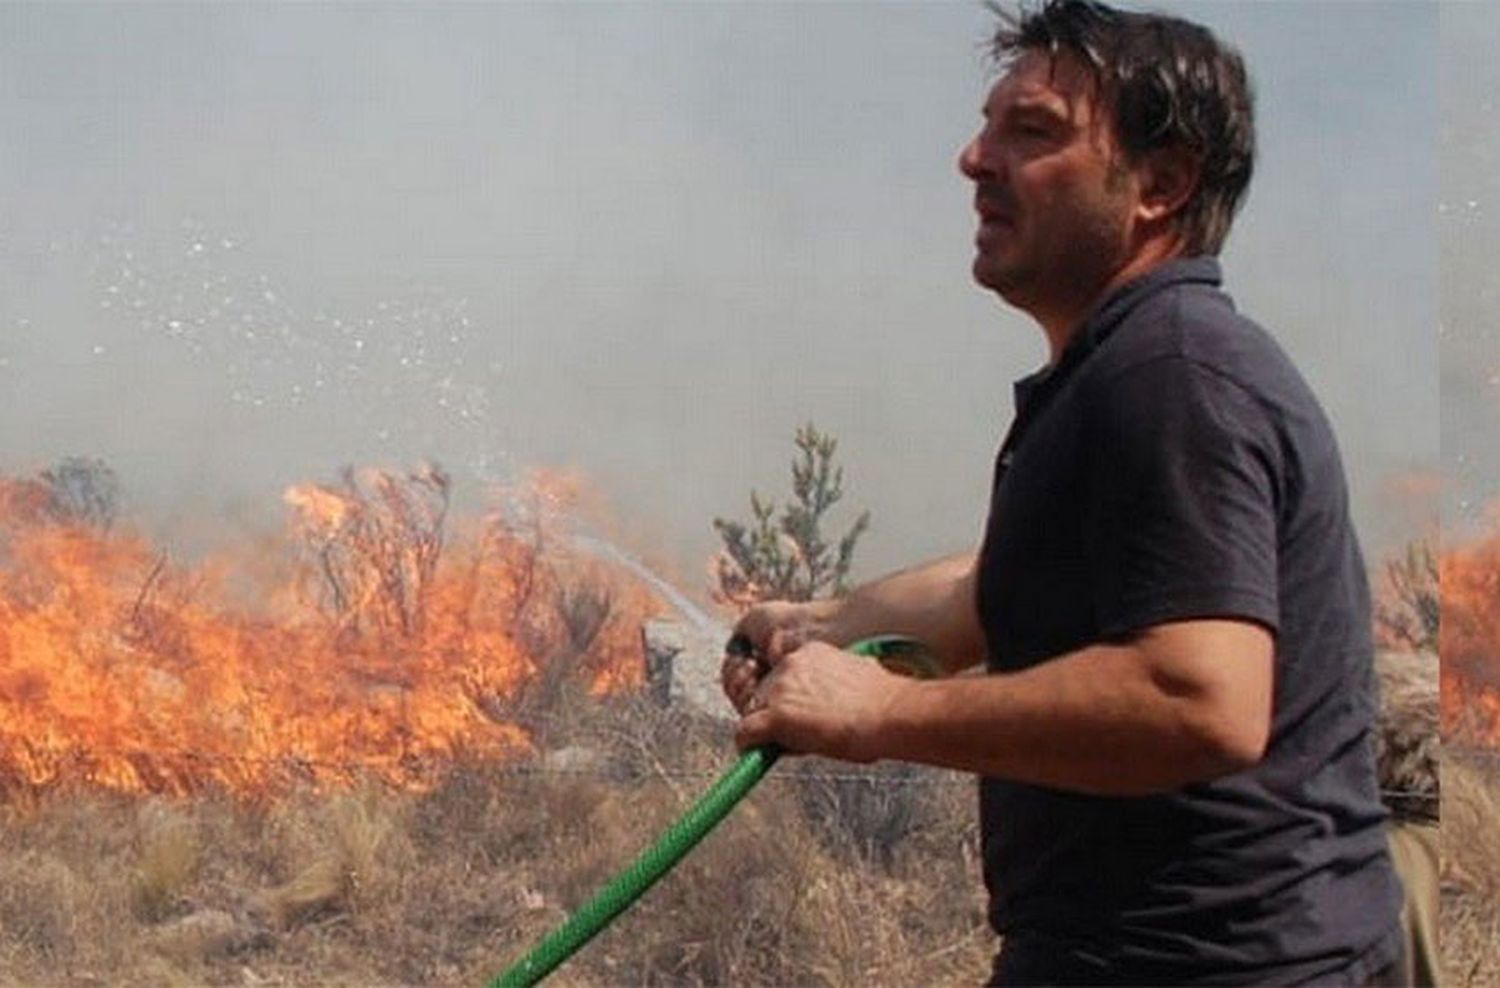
[(1168, 178)]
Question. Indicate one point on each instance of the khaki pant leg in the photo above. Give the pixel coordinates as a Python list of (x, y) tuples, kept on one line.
[(1414, 850)]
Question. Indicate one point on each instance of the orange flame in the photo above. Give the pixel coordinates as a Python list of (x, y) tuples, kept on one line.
[(379, 649), (1470, 640)]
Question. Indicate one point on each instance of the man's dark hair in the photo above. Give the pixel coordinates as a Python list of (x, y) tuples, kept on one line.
[(1167, 82)]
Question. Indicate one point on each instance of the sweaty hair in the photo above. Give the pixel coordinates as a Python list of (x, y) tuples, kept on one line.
[(1165, 82)]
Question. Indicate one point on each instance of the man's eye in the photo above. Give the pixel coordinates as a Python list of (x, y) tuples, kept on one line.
[(1033, 130)]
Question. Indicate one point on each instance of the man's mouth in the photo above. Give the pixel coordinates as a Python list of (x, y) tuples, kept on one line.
[(993, 224), (993, 214)]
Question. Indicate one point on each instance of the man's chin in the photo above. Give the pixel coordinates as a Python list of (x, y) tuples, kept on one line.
[(988, 274)]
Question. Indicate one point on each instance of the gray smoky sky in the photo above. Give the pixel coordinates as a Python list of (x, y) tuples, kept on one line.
[(1469, 235), (243, 245)]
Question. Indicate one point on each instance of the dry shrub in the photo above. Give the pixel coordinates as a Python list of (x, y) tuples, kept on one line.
[(168, 858), (40, 900), (1407, 741), (347, 854), (1471, 807), (1470, 914), (861, 815), (767, 900), (384, 887), (729, 913), (198, 936)]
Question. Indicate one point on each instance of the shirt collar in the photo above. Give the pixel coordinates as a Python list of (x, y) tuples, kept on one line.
[(1108, 315)]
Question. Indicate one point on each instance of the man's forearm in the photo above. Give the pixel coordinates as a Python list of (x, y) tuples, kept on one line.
[(1109, 720), (933, 603)]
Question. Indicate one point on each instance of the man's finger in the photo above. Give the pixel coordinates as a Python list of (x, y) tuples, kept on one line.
[(743, 694), (783, 643), (754, 730)]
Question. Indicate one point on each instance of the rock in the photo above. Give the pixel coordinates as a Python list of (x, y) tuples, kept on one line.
[(686, 661)]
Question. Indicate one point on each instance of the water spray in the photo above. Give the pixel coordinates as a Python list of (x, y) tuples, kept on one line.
[(896, 652)]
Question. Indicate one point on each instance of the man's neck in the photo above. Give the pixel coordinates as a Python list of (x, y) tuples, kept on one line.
[(1062, 324)]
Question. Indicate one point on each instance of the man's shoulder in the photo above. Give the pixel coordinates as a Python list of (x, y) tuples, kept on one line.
[(1197, 326)]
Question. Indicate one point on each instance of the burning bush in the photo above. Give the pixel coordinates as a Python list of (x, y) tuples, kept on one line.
[(383, 646), (1470, 642)]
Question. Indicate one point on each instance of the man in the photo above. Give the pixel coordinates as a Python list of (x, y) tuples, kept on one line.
[(1177, 784)]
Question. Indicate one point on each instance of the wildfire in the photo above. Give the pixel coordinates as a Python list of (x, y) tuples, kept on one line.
[(1470, 641), (379, 647)]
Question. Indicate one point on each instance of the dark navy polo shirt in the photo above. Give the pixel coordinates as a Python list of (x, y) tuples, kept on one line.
[(1174, 465)]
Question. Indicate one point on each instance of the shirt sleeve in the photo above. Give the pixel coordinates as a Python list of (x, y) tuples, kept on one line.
[(1181, 518)]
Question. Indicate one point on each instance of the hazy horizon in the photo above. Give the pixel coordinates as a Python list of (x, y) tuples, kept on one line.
[(247, 245)]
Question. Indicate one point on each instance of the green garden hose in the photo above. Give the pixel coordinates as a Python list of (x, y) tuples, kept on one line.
[(896, 652)]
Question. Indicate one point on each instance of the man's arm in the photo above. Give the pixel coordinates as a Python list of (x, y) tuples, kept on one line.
[(934, 603), (1181, 703)]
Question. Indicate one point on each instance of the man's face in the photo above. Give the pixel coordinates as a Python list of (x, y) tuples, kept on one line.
[(1053, 196)]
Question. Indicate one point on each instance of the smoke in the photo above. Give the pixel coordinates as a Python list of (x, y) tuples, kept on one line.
[(1469, 213), (247, 245)]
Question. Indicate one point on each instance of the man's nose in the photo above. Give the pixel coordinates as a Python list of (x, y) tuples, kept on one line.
[(971, 160)]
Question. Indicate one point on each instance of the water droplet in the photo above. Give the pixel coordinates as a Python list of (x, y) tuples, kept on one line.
[(98, 349)]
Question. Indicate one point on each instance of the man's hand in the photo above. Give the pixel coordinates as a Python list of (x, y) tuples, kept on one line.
[(819, 700), (773, 630)]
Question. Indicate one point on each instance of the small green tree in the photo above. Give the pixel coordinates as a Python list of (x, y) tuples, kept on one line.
[(787, 557)]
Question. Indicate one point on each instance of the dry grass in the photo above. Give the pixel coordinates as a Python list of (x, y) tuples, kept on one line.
[(381, 887), (816, 879), (1471, 867)]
